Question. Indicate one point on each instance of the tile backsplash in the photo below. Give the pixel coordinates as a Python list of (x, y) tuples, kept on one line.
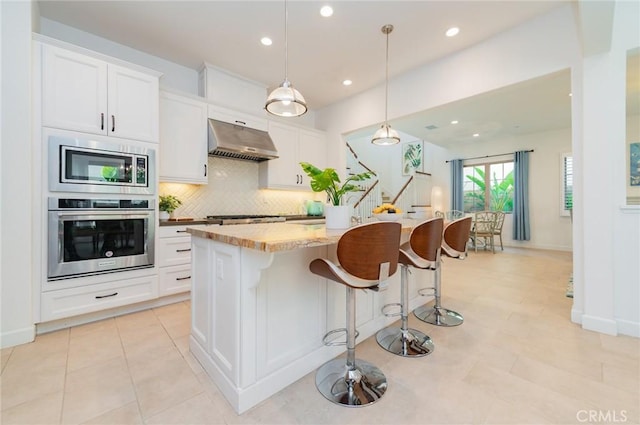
[(233, 189)]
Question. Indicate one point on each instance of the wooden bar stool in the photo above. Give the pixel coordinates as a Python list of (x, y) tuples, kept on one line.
[(423, 252), (367, 256), (455, 237)]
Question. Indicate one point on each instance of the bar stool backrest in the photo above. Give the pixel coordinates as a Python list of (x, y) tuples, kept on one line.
[(362, 249), (426, 238), (456, 236)]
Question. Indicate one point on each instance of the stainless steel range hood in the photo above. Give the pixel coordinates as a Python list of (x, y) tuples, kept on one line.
[(239, 142)]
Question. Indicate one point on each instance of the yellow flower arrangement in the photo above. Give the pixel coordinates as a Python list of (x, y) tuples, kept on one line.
[(387, 208)]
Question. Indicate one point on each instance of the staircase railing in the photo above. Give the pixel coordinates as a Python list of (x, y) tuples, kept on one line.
[(370, 199), (405, 197)]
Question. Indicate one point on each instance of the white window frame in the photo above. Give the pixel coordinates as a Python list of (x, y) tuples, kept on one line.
[(564, 175)]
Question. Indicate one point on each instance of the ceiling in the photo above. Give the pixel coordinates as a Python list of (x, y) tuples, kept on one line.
[(323, 52)]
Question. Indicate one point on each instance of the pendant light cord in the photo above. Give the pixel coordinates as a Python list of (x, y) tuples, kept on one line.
[(286, 43), (386, 30), (386, 79)]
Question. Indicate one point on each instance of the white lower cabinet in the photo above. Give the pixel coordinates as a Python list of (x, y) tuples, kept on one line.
[(174, 260), (87, 299)]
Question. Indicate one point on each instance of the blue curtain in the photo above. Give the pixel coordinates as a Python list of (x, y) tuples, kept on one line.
[(457, 177), (521, 230)]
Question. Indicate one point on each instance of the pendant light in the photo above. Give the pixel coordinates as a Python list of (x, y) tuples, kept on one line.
[(285, 101), (386, 135)]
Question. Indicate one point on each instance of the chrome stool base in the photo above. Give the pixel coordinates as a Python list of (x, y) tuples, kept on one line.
[(405, 343), (438, 316), (354, 388)]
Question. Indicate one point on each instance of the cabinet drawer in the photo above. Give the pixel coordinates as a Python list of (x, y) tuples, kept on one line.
[(86, 299), (172, 232), (174, 251), (175, 279)]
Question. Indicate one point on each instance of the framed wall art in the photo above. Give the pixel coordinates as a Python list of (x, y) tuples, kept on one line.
[(411, 157)]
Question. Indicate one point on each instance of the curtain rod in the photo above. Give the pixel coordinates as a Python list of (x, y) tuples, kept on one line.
[(489, 156)]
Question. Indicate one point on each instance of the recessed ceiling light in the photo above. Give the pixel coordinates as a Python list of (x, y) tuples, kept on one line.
[(454, 122), (326, 11), (347, 82), (570, 94), (266, 41), (452, 31), (476, 134)]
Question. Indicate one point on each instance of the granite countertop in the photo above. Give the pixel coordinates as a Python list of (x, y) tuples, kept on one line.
[(192, 222), (273, 237)]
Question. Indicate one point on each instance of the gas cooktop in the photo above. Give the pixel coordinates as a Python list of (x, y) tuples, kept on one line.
[(245, 219)]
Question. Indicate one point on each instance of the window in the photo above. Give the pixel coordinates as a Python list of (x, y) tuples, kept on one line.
[(567, 185), (488, 187)]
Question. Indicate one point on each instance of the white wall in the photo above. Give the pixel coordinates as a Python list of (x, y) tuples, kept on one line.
[(16, 326), (606, 268), (174, 76), (549, 230), (539, 47)]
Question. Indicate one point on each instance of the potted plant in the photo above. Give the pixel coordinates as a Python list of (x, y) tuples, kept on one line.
[(168, 204), (337, 215)]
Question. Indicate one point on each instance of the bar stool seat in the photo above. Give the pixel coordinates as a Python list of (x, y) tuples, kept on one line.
[(423, 252), (367, 256), (454, 245)]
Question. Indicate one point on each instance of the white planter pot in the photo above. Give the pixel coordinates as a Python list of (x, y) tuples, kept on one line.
[(163, 215), (337, 216)]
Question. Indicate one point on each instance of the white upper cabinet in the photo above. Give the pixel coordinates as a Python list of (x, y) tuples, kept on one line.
[(86, 94), (183, 139), (294, 145)]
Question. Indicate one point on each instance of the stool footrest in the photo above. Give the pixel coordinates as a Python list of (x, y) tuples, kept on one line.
[(332, 342), (425, 292), (387, 307)]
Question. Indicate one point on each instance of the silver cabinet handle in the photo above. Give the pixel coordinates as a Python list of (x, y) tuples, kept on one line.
[(106, 296)]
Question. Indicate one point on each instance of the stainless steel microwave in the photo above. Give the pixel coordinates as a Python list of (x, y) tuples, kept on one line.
[(92, 165)]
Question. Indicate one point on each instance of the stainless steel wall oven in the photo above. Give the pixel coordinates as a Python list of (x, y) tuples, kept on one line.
[(91, 236)]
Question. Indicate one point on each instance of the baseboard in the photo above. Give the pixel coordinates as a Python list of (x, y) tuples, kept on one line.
[(598, 324), (18, 336), (576, 316), (627, 327)]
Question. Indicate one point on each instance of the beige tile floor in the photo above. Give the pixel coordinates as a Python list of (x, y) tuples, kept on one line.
[(517, 359)]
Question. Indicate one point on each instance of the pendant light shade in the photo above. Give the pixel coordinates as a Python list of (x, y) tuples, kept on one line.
[(386, 135), (285, 101)]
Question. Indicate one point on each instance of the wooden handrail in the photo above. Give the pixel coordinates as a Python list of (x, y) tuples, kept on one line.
[(423, 173), (365, 194), (402, 190), (367, 168), (355, 155)]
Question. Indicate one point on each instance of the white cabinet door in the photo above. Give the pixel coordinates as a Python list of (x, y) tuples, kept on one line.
[(183, 139), (86, 94), (133, 104), (282, 172), (312, 148), (294, 145), (74, 91)]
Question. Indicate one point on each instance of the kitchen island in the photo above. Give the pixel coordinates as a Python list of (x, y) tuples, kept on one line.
[(259, 315)]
